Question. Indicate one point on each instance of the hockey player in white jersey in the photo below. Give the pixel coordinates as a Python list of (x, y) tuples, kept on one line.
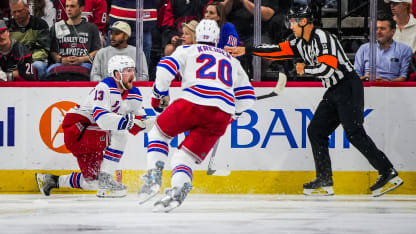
[(215, 87), (96, 132)]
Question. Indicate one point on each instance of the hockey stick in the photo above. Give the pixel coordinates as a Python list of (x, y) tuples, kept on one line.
[(216, 172), (281, 83)]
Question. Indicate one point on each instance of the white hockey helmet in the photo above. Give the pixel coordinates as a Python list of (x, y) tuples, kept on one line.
[(207, 31), (118, 63)]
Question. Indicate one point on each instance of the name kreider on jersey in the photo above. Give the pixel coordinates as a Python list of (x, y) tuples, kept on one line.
[(203, 48)]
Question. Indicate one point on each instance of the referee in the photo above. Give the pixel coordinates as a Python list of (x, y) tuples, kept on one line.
[(319, 53)]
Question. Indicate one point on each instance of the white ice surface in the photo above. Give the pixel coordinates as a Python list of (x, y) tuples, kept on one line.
[(258, 214)]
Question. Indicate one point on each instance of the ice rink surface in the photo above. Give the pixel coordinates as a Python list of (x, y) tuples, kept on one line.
[(258, 214)]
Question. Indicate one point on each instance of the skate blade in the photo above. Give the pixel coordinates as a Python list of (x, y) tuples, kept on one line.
[(322, 191), (392, 184), (103, 193), (40, 182), (159, 207), (144, 197)]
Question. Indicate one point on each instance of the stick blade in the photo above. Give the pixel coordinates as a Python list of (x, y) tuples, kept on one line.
[(272, 94), (281, 83), (219, 172)]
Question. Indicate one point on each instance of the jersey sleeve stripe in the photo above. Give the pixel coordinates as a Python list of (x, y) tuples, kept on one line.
[(167, 67), (285, 51), (171, 61), (98, 112), (135, 97), (246, 92), (159, 93), (329, 60), (115, 91)]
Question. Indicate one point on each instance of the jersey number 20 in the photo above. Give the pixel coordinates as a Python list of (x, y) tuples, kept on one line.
[(224, 69)]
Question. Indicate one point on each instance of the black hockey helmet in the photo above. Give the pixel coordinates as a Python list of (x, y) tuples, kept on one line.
[(299, 10)]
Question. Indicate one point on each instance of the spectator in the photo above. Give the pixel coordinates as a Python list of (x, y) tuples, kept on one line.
[(75, 41), (120, 32), (188, 36), (406, 23), (241, 14), (43, 9), (4, 10), (392, 57), (412, 68), (228, 34), (33, 32), (277, 28), (95, 11), (15, 58), (126, 11), (175, 13)]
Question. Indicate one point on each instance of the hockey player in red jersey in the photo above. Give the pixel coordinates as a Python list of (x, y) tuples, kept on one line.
[(215, 87), (96, 132)]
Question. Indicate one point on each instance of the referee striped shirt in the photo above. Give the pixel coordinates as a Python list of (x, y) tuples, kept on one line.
[(323, 55)]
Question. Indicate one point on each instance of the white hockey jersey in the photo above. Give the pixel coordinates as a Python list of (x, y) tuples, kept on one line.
[(210, 77), (106, 106)]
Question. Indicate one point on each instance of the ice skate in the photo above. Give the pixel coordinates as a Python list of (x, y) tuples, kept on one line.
[(46, 182), (173, 198), (318, 187), (108, 187), (386, 182), (152, 182)]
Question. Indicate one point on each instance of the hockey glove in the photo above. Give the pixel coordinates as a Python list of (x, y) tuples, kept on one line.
[(142, 123), (159, 104), (127, 121)]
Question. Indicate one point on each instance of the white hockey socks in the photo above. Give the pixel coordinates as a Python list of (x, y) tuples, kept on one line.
[(157, 149), (182, 169), (114, 152), (76, 180)]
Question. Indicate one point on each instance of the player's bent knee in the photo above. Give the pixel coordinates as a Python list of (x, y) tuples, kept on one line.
[(181, 157), (156, 134)]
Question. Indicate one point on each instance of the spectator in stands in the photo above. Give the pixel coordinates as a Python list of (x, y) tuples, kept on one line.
[(15, 58), (95, 11), (43, 9), (188, 36), (120, 33), (75, 41), (241, 14), (33, 32), (228, 34), (175, 13), (122, 10), (4, 10), (392, 57), (277, 28), (406, 23)]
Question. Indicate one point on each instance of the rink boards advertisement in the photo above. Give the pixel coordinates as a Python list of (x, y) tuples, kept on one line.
[(266, 149)]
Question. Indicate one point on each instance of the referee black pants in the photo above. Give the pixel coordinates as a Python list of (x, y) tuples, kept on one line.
[(343, 104)]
